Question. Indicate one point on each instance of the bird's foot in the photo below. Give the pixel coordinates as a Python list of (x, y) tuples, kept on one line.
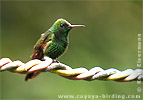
[(48, 58), (55, 61)]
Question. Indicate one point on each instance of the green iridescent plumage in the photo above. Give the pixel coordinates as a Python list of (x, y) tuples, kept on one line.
[(52, 43)]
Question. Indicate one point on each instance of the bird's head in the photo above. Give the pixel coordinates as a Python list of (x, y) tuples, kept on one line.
[(62, 27)]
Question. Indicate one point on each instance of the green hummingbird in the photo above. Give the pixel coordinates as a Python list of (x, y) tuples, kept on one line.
[(52, 43)]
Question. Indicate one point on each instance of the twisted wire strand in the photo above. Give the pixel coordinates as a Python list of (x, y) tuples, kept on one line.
[(96, 73)]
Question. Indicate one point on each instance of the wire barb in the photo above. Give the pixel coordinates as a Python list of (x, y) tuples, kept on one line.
[(96, 73)]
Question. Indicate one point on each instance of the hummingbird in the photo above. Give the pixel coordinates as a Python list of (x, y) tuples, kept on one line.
[(52, 43)]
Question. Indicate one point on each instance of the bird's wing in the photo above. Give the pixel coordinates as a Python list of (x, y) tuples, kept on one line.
[(44, 40)]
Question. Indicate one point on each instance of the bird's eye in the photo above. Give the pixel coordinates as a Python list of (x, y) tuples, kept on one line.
[(61, 25)]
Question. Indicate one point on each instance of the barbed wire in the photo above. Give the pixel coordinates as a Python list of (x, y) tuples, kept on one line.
[(96, 73)]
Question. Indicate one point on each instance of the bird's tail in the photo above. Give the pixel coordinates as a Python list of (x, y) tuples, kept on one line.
[(31, 76)]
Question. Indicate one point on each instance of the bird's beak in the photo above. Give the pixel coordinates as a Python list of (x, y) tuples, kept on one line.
[(76, 26)]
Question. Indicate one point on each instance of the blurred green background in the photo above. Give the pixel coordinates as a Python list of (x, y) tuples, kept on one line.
[(109, 40)]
